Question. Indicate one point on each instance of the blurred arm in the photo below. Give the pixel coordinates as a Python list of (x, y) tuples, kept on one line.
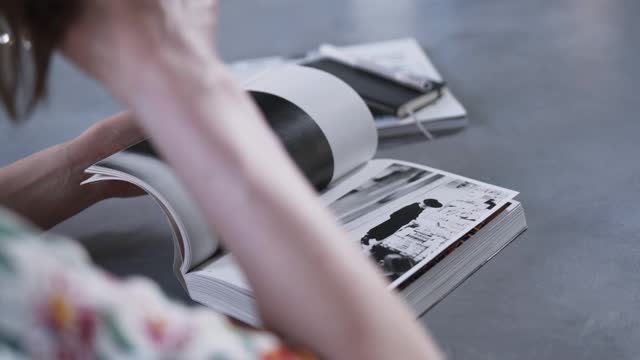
[(311, 282)]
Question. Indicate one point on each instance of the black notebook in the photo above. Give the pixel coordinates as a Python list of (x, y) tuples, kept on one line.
[(381, 95)]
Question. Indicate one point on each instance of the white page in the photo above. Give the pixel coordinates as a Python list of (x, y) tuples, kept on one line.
[(335, 107), (157, 179), (226, 269)]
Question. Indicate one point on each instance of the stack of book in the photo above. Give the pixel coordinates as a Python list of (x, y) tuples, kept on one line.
[(403, 56)]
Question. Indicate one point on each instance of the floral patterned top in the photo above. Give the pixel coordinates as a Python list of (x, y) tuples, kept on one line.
[(54, 304)]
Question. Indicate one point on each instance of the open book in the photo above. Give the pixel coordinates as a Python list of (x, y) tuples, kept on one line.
[(427, 229)]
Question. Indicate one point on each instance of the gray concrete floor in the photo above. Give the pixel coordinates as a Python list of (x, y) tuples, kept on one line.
[(551, 87)]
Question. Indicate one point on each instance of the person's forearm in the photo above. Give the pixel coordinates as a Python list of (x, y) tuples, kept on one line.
[(298, 261), (32, 187), (45, 187)]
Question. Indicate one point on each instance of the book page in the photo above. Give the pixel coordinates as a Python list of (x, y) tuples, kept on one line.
[(326, 103), (140, 166), (404, 215)]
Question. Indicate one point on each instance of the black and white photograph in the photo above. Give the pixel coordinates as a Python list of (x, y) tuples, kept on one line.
[(394, 182), (424, 223)]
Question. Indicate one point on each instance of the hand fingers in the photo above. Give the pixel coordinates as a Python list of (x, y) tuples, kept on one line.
[(108, 137)]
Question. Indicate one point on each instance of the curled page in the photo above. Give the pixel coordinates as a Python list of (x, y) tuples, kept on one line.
[(324, 124), (140, 166)]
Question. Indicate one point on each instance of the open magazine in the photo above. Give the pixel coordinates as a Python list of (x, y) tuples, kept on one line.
[(427, 229)]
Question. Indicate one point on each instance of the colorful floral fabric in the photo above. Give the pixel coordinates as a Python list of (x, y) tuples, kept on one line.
[(54, 304)]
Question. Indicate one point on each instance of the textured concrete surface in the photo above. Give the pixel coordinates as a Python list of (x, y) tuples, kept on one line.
[(551, 88)]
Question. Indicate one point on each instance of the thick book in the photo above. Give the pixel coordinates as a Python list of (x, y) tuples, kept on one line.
[(428, 230)]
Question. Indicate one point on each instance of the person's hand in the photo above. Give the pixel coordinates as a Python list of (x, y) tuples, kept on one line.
[(45, 187), (126, 44)]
